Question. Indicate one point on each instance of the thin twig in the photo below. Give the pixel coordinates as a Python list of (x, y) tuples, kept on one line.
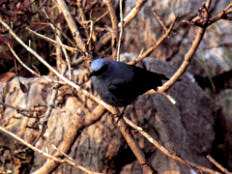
[(67, 58), (100, 17), (22, 63), (153, 47), (81, 11), (92, 35), (121, 30), (189, 55), (50, 106), (160, 21), (83, 21), (219, 166), (58, 32), (69, 48), (128, 18), (60, 63), (224, 14)]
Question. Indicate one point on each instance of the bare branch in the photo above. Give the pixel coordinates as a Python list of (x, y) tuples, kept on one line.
[(81, 11), (164, 151), (72, 26), (133, 13), (69, 48), (181, 70), (219, 166), (203, 17), (67, 58), (224, 14), (130, 16), (204, 20), (160, 21), (69, 138), (22, 63), (70, 162), (121, 31), (156, 44), (133, 145), (114, 22)]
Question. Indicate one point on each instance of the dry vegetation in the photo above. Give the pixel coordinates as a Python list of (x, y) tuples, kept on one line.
[(48, 110)]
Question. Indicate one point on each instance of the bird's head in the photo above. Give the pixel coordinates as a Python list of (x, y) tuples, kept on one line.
[(98, 67)]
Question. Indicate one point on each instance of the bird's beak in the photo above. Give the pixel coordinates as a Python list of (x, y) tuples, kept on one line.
[(91, 74)]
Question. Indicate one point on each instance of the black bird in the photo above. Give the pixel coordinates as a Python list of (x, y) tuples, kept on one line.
[(119, 84)]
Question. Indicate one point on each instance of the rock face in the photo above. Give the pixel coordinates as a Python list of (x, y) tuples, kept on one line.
[(224, 101), (214, 55), (177, 126), (185, 128)]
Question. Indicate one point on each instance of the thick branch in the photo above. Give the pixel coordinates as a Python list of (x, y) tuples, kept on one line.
[(68, 161), (69, 138), (187, 59), (133, 145)]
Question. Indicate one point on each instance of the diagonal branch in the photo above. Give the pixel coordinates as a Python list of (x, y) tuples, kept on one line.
[(72, 26), (22, 63), (152, 48), (219, 166), (69, 48), (203, 17), (187, 59), (70, 137), (164, 151), (58, 160), (224, 14), (133, 13), (133, 145)]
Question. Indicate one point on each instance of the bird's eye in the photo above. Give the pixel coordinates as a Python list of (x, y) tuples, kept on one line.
[(101, 70)]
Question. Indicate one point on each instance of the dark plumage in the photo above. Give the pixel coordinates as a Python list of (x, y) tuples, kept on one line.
[(120, 84)]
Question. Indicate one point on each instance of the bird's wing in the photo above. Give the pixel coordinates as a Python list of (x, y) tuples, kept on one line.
[(140, 81), (122, 89), (147, 79)]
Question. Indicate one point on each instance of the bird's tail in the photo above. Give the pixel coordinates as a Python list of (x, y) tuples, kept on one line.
[(158, 80), (162, 77)]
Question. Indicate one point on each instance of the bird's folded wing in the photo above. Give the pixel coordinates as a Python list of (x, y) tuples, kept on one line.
[(120, 88)]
